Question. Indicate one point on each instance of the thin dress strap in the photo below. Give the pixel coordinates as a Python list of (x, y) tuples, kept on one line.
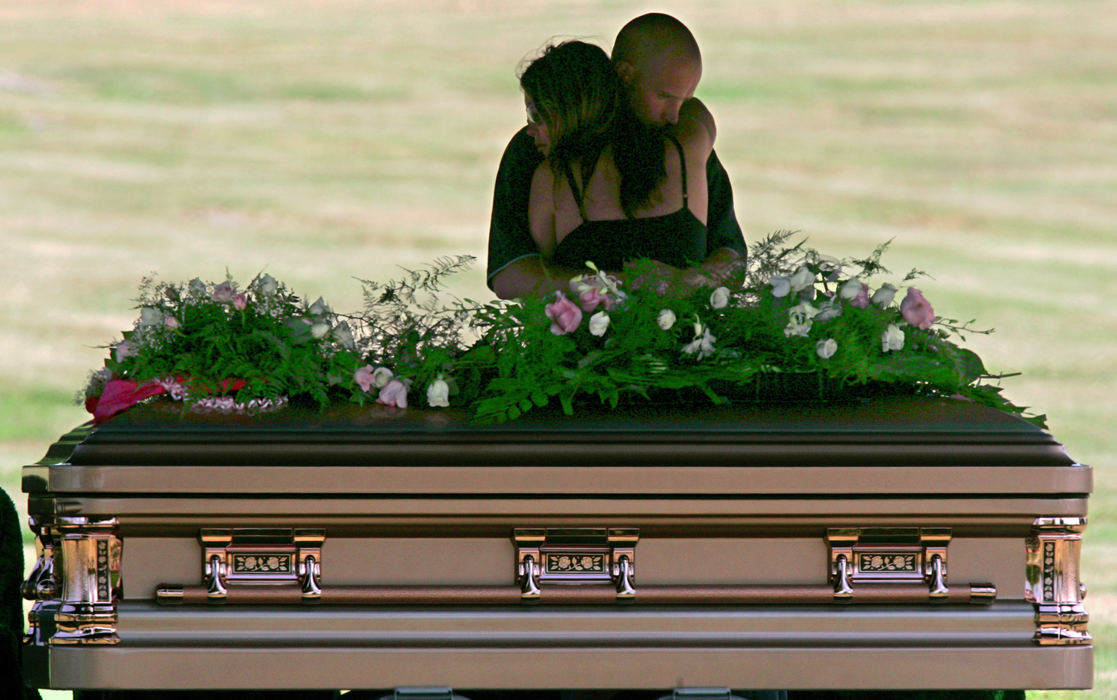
[(587, 174), (574, 189), (682, 165)]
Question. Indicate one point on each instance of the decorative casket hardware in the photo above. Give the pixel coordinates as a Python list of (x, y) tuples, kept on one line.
[(785, 545), (280, 561), (894, 556), (575, 566), (1053, 581), (576, 556)]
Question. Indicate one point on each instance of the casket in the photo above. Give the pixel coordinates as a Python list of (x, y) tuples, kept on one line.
[(885, 544)]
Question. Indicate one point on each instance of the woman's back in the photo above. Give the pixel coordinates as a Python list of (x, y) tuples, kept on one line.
[(575, 220)]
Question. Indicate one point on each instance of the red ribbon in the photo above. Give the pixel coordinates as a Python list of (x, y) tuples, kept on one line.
[(120, 394)]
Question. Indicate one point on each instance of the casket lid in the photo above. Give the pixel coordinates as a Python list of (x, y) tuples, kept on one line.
[(909, 442)]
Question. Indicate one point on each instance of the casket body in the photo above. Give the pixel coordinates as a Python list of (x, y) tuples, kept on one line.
[(900, 543)]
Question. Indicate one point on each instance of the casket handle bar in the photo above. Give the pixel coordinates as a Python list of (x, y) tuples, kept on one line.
[(549, 557), (248, 559), (894, 557), (574, 566)]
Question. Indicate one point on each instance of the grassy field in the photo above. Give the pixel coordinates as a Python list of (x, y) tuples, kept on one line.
[(332, 139)]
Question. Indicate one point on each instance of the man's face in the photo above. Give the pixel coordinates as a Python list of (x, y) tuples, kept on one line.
[(658, 88)]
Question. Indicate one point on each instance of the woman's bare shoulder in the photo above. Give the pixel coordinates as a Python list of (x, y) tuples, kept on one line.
[(696, 128)]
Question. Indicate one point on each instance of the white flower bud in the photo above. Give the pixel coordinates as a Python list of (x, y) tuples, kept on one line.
[(826, 348), (665, 319), (150, 316), (438, 393), (267, 285), (599, 322), (381, 376), (892, 339), (318, 308), (884, 295), (851, 288), (802, 279), (719, 299)]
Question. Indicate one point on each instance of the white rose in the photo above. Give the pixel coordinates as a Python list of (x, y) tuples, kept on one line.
[(197, 288), (851, 288), (438, 393), (267, 285), (598, 323), (892, 339), (826, 348), (665, 319), (319, 330), (884, 295), (802, 279), (381, 376), (719, 299), (781, 287)]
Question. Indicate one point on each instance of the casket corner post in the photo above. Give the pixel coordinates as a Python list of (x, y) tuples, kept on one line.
[(1054, 585), (75, 582)]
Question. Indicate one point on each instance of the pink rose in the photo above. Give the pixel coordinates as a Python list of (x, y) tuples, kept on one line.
[(861, 301), (592, 298), (394, 393), (222, 292), (170, 323), (363, 377), (239, 302), (916, 310), (564, 314)]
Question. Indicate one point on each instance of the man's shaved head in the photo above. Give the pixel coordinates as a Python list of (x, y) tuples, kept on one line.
[(658, 61), (651, 35)]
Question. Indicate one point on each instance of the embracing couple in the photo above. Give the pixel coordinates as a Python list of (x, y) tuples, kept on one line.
[(616, 164)]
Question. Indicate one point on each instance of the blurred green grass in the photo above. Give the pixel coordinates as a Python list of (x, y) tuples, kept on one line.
[(337, 139)]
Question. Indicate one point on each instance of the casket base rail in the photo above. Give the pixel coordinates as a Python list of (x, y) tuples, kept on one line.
[(890, 544)]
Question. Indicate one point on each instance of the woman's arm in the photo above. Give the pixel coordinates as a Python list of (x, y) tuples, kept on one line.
[(535, 275)]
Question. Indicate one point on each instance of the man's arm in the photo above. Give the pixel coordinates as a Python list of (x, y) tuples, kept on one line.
[(514, 264), (721, 220)]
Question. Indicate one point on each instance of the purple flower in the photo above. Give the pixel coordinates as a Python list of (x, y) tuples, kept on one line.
[(394, 393), (564, 314), (222, 292), (916, 310)]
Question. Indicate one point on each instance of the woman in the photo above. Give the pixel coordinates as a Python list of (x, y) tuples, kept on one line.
[(611, 189)]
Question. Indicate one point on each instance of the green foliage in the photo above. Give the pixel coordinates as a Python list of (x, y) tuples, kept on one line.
[(800, 326)]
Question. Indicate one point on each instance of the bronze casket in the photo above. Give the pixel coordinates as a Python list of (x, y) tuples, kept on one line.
[(885, 544)]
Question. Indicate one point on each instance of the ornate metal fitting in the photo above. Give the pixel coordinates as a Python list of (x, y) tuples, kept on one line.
[(41, 585), (888, 555), (1053, 584), (575, 556), (88, 553), (233, 558)]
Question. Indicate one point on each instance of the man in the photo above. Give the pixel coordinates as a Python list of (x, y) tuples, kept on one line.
[(658, 60)]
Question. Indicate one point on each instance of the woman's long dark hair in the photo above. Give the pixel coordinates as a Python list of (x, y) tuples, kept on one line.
[(582, 100)]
